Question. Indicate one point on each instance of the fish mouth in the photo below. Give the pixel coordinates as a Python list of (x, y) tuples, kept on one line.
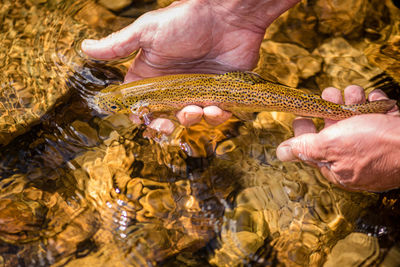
[(95, 104)]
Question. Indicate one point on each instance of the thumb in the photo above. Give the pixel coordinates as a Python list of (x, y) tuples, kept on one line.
[(116, 45), (307, 147)]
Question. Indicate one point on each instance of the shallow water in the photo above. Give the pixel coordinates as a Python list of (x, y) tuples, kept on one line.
[(81, 188)]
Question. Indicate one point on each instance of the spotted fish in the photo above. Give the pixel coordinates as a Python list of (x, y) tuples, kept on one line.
[(238, 92)]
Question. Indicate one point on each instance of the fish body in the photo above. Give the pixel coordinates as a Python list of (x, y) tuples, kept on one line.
[(238, 92)]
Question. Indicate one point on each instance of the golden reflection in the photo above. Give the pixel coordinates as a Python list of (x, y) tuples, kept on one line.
[(37, 56), (81, 189)]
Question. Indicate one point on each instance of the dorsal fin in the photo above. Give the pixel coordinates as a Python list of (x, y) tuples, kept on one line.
[(239, 76), (254, 78)]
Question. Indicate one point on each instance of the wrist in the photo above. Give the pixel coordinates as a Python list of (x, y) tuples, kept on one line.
[(258, 14)]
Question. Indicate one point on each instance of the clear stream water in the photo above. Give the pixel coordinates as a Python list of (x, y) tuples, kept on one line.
[(81, 188)]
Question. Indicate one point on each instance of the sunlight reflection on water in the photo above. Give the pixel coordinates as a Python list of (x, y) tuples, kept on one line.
[(80, 188)]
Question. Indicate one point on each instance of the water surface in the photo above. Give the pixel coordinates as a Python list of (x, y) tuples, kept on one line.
[(78, 187)]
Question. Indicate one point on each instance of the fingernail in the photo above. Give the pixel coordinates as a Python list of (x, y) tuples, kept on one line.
[(89, 42), (378, 91), (377, 94), (284, 153), (215, 118), (191, 118)]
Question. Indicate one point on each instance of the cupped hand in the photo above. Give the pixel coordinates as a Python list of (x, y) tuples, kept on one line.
[(193, 36), (358, 153)]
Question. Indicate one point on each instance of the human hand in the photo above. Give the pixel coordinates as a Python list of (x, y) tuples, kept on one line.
[(193, 36), (358, 153)]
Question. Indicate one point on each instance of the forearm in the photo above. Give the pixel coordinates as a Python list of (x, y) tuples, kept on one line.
[(257, 13)]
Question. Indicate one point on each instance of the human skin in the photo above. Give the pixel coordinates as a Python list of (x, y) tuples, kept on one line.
[(192, 36), (359, 153), (217, 36)]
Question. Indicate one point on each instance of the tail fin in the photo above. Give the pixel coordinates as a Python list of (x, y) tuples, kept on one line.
[(379, 106)]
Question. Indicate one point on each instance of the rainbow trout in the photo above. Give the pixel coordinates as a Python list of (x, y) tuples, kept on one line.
[(238, 92)]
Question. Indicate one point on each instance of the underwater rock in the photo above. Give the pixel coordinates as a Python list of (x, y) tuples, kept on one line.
[(357, 249), (109, 196), (392, 258), (164, 3), (288, 63), (294, 25), (37, 58), (29, 215), (386, 57), (289, 204), (383, 50), (344, 64), (18, 221), (340, 17), (22, 211), (128, 204), (115, 5), (147, 207)]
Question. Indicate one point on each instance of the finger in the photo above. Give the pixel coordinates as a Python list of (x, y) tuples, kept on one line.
[(142, 68), (307, 147), (335, 179), (139, 69), (190, 115), (116, 45), (378, 94), (135, 118), (354, 94), (214, 115), (303, 126), (330, 176), (334, 95), (162, 125)]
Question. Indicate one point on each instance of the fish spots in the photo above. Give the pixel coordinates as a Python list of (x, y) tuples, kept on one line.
[(233, 91)]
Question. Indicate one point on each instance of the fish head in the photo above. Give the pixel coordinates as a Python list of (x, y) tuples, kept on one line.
[(109, 103)]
